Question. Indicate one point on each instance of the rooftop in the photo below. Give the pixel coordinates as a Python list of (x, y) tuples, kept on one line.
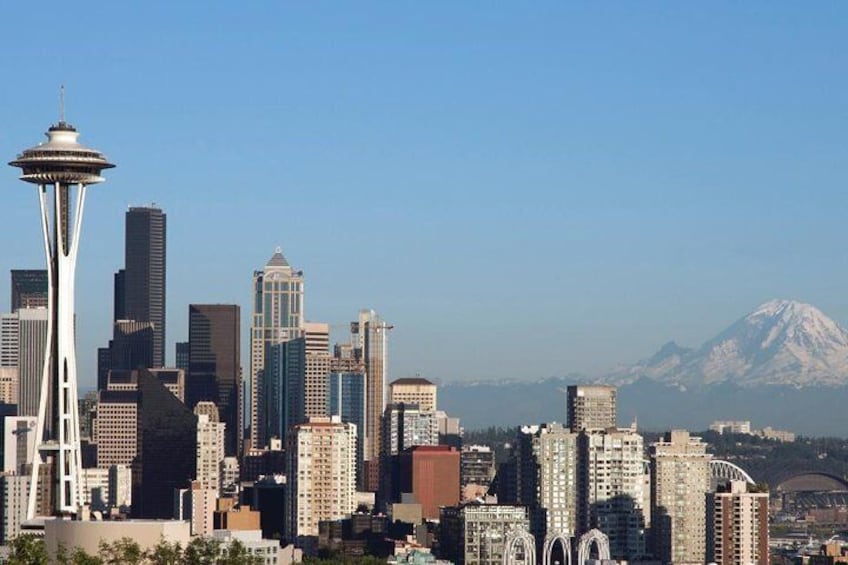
[(411, 381)]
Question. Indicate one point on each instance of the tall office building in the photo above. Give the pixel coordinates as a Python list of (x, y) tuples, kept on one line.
[(611, 489), (431, 474), (32, 344), (680, 481), (29, 288), (590, 407), (737, 525), (277, 318), (144, 276), (9, 340), (166, 459), (182, 351), (215, 362), (346, 401), (370, 341), (132, 346), (321, 471), (414, 390)]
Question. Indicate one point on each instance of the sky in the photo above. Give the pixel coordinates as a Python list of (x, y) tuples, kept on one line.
[(524, 190)]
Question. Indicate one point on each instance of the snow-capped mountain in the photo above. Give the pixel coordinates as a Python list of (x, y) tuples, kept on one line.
[(782, 342)]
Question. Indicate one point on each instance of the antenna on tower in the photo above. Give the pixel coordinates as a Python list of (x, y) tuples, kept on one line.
[(62, 104)]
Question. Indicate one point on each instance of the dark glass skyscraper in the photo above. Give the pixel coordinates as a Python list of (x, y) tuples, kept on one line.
[(167, 446), (214, 363), (29, 288), (144, 277)]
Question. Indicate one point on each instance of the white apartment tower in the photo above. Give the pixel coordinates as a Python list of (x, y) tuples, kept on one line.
[(321, 465), (680, 481), (210, 447)]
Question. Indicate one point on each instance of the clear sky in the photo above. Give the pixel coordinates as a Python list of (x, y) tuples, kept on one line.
[(524, 189)]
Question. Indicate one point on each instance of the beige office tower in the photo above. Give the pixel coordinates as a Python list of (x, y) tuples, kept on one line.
[(414, 390), (15, 489), (680, 481), (737, 520), (308, 366), (612, 489), (321, 471), (210, 446), (590, 407), (370, 340), (9, 382), (9, 385), (277, 318), (32, 343)]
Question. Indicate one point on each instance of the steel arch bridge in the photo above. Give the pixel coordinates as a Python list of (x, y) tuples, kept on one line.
[(727, 471)]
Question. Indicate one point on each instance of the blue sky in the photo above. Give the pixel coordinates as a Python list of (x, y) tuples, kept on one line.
[(524, 189)]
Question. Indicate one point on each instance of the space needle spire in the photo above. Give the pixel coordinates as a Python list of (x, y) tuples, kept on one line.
[(62, 169)]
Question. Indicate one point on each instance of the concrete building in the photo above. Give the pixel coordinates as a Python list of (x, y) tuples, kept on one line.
[(590, 407), (214, 373), (268, 551), (9, 385), (197, 505), (414, 390), (89, 535), (228, 516), (18, 442), (405, 426), (731, 426), (476, 470), (210, 448), (15, 490), (737, 525), (32, 342), (277, 318), (476, 533), (321, 458), (9, 340), (230, 474), (611, 489), (680, 481), (115, 428)]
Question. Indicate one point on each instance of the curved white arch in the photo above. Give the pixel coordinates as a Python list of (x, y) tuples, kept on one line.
[(600, 539), (725, 470), (548, 548), (519, 537)]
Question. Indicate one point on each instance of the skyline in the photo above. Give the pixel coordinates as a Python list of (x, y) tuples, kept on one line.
[(648, 192)]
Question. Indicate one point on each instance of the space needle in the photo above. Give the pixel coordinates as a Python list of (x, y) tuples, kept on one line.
[(62, 169)]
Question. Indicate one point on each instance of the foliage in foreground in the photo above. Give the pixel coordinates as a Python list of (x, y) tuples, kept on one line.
[(27, 549)]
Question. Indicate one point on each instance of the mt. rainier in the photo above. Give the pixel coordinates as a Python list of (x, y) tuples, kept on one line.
[(782, 342)]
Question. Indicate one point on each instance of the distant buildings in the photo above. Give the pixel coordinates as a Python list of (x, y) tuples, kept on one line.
[(590, 407), (744, 427), (29, 289)]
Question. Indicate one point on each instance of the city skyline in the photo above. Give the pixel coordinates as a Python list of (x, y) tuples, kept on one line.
[(623, 182)]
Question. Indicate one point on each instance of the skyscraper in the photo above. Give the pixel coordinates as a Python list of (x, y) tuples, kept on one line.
[(32, 343), (132, 345), (277, 318), (370, 335), (680, 481), (144, 276), (214, 372), (29, 288), (590, 407), (414, 390), (346, 400)]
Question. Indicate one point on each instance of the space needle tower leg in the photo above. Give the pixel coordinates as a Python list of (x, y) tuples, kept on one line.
[(62, 169)]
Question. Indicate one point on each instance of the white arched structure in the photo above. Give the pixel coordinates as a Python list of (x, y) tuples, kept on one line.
[(515, 538), (548, 548), (727, 471), (598, 538)]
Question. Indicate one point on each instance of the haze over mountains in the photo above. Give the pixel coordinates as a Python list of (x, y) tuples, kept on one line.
[(785, 364)]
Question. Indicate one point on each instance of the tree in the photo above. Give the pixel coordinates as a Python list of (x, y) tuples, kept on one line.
[(166, 554), (124, 551), (202, 551), (236, 554), (27, 549)]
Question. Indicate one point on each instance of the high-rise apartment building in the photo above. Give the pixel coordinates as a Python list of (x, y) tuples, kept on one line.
[(215, 363), (32, 342), (370, 341), (611, 489), (9, 385), (680, 481), (590, 407), (210, 445), (29, 288), (477, 469), (144, 276), (9, 340), (414, 390), (321, 466), (737, 525), (277, 318)]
